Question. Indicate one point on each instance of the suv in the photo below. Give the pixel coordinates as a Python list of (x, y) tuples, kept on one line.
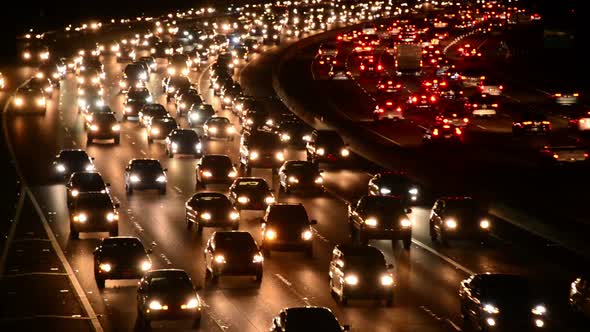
[(94, 212), (261, 149), (232, 253), (327, 146), (455, 217), (287, 227), (145, 174)]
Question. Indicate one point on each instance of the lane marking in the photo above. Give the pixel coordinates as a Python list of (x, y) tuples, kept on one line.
[(283, 279), (12, 231), (143, 152), (443, 257), (74, 316), (90, 313), (482, 127), (178, 189), (455, 326), (28, 274)]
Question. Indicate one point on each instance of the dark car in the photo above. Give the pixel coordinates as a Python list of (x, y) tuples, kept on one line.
[(183, 141), (198, 114), (251, 193), (232, 253), (214, 169), (300, 175), (531, 123), (167, 295), (142, 174), (380, 217), (261, 149), (326, 146), (455, 114), (69, 161), (287, 227), (208, 209), (94, 212), (90, 97), (394, 184), (500, 302), (186, 100), (120, 257), (229, 94), (579, 297), (292, 132), (139, 94), (483, 105), (458, 217), (83, 182), (443, 132), (360, 272), (104, 126), (27, 99), (132, 109), (297, 319), (175, 85), (160, 127), (150, 62), (388, 85), (150, 111), (255, 119), (134, 75), (219, 127)]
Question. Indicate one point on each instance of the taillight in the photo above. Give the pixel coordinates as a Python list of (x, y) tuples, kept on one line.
[(494, 105), (586, 155), (399, 109), (475, 105), (458, 131), (501, 87), (445, 120), (555, 155), (389, 103), (546, 122), (435, 132), (379, 110), (466, 120), (398, 86), (414, 99), (432, 99), (379, 67), (362, 67)]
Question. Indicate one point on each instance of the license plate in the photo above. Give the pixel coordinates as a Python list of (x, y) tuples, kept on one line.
[(535, 129)]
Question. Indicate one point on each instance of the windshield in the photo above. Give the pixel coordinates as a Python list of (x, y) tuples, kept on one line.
[(236, 241), (252, 185), (94, 201), (330, 139), (265, 141), (214, 202), (311, 320), (217, 161), (302, 167), (146, 165), (171, 282), (88, 181), (287, 215), (365, 262), (130, 246)]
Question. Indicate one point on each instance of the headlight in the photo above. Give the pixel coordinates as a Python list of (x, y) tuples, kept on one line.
[(143, 76), (226, 99), (232, 174), (27, 55), (491, 322), (171, 71), (484, 224), (123, 84), (106, 267), (41, 101), (269, 199), (285, 137), (293, 179), (219, 259), (386, 280), (185, 71), (191, 304), (75, 193), (89, 168), (134, 178), (234, 215), (451, 223), (156, 305), (212, 130), (385, 191), (243, 199), (269, 122), (371, 222), (194, 116), (207, 174), (230, 130), (320, 151), (307, 235), (112, 217), (174, 146), (257, 258), (161, 179), (280, 156), (155, 131), (253, 155), (319, 180), (491, 309), (344, 152), (413, 191), (146, 265), (206, 216), (94, 127), (81, 217), (539, 322), (405, 222), (60, 168), (18, 101), (351, 280), (198, 146), (171, 89), (149, 99), (270, 234), (539, 310)]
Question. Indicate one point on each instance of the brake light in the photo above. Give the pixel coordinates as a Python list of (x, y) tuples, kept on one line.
[(432, 98), (458, 131), (466, 120), (379, 110), (423, 97), (435, 132), (414, 99), (398, 86), (389, 103), (527, 123), (428, 84), (443, 83), (555, 155), (558, 95), (321, 62), (475, 105), (586, 155), (494, 105), (379, 67), (501, 87), (339, 37), (546, 122), (389, 82), (362, 67), (576, 94), (382, 86), (445, 120)]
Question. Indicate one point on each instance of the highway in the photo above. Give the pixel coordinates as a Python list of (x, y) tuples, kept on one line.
[(427, 277)]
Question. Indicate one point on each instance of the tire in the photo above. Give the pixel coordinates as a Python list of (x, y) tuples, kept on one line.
[(214, 278), (189, 224), (248, 170), (100, 282), (363, 240), (281, 188), (407, 243), (343, 299), (150, 140), (258, 277), (207, 275), (389, 302), (433, 236), (114, 232)]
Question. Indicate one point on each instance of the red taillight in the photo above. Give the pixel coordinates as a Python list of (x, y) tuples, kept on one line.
[(446, 126), (414, 99), (501, 87), (389, 82), (435, 132), (446, 121), (379, 110), (382, 86), (443, 83), (432, 98), (494, 105), (423, 97), (458, 131), (398, 86), (389, 103), (362, 67), (339, 37), (475, 105), (399, 109), (321, 62), (585, 155), (466, 120), (555, 155), (379, 67), (546, 122)]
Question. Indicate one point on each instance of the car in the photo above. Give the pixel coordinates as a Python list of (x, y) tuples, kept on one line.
[(565, 154), (579, 120), (371, 67), (186, 100), (301, 175), (260, 149), (150, 62), (168, 294), (139, 94), (51, 71), (458, 217), (483, 105), (229, 94), (93, 212), (208, 209), (287, 227), (579, 297), (94, 110), (232, 253), (360, 272), (3, 82), (89, 77), (531, 122), (395, 184), (219, 127), (183, 141), (29, 99), (160, 127), (214, 169), (150, 111), (173, 85), (178, 64), (91, 96), (257, 119), (243, 104), (292, 131), (296, 319), (566, 98), (143, 174), (339, 72), (326, 146), (328, 48), (388, 109), (250, 193), (491, 87), (134, 75), (496, 301), (82, 182), (422, 99), (69, 161), (120, 257), (198, 114), (387, 85), (104, 126), (125, 54), (455, 114), (380, 217), (443, 133)]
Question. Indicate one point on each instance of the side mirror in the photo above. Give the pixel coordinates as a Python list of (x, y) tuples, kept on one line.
[(346, 328), (127, 168), (95, 251), (91, 158), (165, 170), (408, 210), (321, 171), (117, 205), (389, 266), (107, 184), (313, 222), (149, 251), (197, 288)]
